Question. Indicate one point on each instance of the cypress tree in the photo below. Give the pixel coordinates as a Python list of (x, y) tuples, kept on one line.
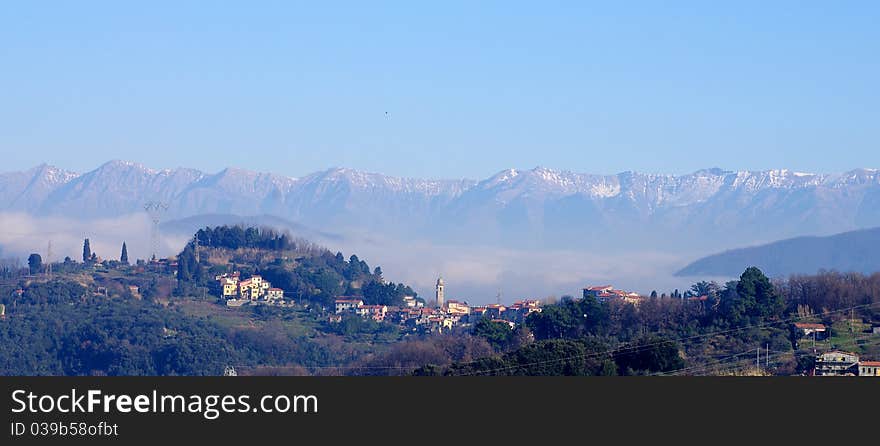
[(87, 251), (124, 257)]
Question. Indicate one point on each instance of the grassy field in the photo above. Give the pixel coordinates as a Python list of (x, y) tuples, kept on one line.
[(296, 321)]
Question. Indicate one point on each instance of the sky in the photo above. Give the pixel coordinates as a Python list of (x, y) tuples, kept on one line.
[(447, 90)]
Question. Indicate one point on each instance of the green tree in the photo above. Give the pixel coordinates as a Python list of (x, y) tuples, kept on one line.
[(497, 334), (762, 300), (648, 355), (704, 288), (35, 263)]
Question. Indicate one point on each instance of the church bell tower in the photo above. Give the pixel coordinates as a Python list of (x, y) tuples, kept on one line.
[(439, 292)]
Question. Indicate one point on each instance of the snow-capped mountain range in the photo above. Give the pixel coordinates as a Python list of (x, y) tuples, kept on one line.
[(526, 208)]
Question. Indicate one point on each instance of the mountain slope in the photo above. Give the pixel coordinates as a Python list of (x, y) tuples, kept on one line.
[(707, 209), (855, 251)]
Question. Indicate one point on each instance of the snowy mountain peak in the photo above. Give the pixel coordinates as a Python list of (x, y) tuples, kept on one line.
[(514, 202)]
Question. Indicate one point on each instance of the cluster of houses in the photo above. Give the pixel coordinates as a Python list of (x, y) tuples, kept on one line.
[(607, 293), (415, 316), (254, 289), (447, 314), (840, 363), (443, 316), (836, 362)]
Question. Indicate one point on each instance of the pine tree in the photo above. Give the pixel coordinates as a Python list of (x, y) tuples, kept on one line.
[(124, 257), (87, 251)]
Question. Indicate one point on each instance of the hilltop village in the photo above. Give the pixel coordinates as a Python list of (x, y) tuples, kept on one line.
[(413, 315)]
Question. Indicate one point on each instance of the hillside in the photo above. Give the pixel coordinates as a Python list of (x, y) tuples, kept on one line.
[(854, 251), (168, 318)]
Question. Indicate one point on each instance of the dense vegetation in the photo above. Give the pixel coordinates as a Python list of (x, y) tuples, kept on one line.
[(304, 271), (677, 335), (62, 328), (118, 319)]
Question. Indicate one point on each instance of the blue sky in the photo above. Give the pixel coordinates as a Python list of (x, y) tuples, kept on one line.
[(471, 89)]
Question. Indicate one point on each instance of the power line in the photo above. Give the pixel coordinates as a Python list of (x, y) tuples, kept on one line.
[(776, 354), (781, 354)]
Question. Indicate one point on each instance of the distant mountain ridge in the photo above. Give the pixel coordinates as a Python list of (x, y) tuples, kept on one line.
[(854, 251), (540, 207)]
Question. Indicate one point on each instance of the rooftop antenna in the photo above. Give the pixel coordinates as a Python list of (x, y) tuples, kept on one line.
[(155, 209)]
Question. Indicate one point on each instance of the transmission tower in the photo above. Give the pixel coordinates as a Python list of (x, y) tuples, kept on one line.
[(49, 260), (155, 209)]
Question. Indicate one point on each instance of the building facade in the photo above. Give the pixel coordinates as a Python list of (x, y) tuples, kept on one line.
[(837, 363), (869, 368)]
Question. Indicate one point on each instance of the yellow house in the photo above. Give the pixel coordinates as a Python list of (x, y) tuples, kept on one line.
[(230, 287), (229, 284), (253, 288), (457, 308)]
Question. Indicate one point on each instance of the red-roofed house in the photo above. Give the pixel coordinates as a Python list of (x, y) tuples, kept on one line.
[(869, 368), (810, 329), (595, 291)]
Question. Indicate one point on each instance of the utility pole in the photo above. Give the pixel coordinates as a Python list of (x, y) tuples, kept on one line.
[(758, 358), (852, 321)]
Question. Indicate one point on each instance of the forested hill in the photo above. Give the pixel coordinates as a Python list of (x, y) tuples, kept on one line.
[(855, 251), (116, 318), (305, 271)]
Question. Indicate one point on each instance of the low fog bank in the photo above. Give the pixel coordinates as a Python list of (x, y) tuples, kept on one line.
[(22, 234), (478, 273), (472, 273)]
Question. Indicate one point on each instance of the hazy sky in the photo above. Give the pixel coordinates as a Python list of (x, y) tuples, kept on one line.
[(470, 88)]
